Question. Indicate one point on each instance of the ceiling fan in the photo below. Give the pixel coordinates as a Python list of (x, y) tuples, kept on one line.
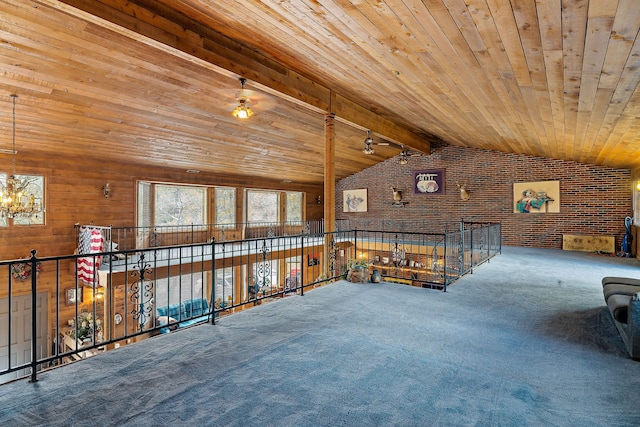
[(369, 143), (406, 154), (248, 102)]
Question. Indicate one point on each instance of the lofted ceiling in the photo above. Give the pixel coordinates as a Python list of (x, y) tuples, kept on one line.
[(153, 82)]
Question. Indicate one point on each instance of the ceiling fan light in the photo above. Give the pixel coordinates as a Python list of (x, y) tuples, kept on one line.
[(367, 149), (242, 111)]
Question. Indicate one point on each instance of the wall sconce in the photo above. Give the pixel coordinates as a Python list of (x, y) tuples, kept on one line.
[(99, 293), (319, 200), (638, 185), (106, 190)]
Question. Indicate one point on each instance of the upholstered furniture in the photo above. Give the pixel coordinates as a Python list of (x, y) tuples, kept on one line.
[(622, 295), (182, 314)]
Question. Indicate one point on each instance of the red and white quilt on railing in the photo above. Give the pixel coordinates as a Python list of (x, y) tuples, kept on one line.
[(90, 241)]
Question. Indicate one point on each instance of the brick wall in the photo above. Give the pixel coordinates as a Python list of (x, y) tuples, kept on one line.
[(593, 200)]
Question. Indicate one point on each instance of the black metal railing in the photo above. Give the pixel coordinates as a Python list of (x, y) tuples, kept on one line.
[(127, 238), (80, 305)]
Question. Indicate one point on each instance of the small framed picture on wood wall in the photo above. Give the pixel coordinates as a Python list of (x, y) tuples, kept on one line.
[(74, 295)]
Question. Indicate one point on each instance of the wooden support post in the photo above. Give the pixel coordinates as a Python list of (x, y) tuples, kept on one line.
[(329, 186), (329, 173)]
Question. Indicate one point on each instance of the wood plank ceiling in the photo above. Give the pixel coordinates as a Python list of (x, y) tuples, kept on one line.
[(152, 82)]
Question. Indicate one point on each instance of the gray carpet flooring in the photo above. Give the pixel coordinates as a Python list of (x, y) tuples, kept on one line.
[(525, 340)]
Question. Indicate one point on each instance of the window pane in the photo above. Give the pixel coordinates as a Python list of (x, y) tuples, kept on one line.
[(262, 206), (180, 205), (177, 289), (223, 292), (35, 186), (144, 204), (3, 182), (294, 207), (225, 206)]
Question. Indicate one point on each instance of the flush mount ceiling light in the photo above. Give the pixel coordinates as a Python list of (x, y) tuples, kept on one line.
[(243, 110)]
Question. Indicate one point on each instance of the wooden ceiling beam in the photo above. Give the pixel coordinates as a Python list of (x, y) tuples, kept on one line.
[(150, 23)]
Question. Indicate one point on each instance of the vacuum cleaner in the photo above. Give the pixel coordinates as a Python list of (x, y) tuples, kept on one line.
[(628, 237)]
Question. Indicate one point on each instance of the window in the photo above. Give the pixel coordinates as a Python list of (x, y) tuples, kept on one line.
[(171, 205), (180, 205), (176, 289), (294, 207), (225, 206), (35, 185), (636, 202), (223, 291), (262, 206)]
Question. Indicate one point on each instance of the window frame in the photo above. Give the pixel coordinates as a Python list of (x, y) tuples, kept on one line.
[(17, 222)]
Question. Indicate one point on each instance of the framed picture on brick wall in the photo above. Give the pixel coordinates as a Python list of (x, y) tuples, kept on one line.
[(536, 197), (354, 200), (428, 181)]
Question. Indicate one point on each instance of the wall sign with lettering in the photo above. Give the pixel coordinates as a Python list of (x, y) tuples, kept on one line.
[(428, 181)]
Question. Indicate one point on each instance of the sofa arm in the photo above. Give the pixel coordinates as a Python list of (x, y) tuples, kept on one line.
[(633, 327), (620, 281)]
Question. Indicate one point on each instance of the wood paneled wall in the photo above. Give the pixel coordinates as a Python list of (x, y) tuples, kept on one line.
[(74, 195)]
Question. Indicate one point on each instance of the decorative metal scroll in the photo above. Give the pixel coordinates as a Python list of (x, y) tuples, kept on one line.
[(141, 293), (461, 242), (398, 255), (333, 254), (261, 279), (220, 301), (436, 270)]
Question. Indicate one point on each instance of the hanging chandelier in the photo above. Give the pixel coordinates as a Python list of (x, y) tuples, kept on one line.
[(15, 199)]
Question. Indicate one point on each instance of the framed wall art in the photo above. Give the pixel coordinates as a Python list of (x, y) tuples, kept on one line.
[(354, 200), (428, 181), (536, 197), (74, 295)]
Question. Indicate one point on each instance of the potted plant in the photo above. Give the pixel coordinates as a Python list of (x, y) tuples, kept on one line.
[(358, 270)]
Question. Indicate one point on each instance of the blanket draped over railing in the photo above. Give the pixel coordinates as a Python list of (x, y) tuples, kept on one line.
[(90, 241)]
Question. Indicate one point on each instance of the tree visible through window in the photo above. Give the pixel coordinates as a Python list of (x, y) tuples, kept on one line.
[(180, 205), (262, 206), (294, 207), (225, 206)]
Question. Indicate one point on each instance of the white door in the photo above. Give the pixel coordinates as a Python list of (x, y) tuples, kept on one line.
[(21, 333)]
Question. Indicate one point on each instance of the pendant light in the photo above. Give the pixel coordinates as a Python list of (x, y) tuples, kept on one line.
[(15, 199)]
